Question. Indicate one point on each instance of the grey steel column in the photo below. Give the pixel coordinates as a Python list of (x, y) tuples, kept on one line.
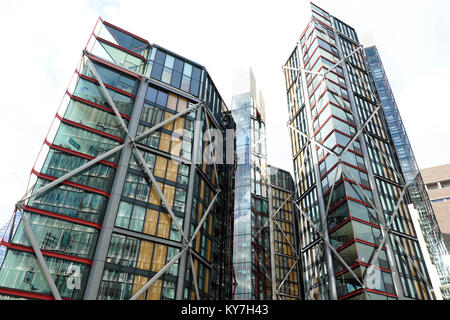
[(272, 242), (179, 295), (368, 164), (297, 244), (322, 209), (40, 257), (109, 219)]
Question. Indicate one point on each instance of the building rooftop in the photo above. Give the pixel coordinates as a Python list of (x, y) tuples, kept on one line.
[(436, 174)]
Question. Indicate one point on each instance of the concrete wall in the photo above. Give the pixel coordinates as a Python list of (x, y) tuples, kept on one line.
[(441, 209)]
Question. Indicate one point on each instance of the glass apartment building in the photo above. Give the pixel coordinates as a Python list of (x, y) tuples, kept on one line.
[(284, 225), (357, 239), (132, 129), (251, 261), (417, 192), (5, 233)]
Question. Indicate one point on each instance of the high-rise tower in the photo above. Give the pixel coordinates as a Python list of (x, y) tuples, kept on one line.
[(122, 204), (357, 239), (417, 193), (251, 261), (283, 223)]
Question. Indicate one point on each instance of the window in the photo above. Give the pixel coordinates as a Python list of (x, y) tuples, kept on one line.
[(17, 274), (135, 187), (94, 118), (176, 72), (84, 141), (90, 91), (114, 78), (58, 235), (183, 174), (445, 184), (180, 200), (124, 40), (70, 201), (130, 216)]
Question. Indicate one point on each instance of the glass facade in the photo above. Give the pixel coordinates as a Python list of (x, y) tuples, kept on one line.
[(251, 261), (418, 195), (107, 225), (346, 180), (286, 263)]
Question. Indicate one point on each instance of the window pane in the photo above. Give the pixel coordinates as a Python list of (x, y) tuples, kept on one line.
[(187, 71)]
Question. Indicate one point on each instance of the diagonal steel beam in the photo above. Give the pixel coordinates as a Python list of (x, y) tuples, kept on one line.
[(37, 251), (333, 187), (194, 276), (205, 215), (297, 69), (272, 241), (100, 158), (112, 151), (273, 215), (329, 245), (322, 74), (159, 274), (139, 155), (361, 129), (188, 243), (158, 190), (343, 60), (320, 145), (163, 123), (411, 261), (379, 106), (187, 246), (387, 229), (286, 276), (369, 201), (107, 96), (74, 172), (375, 98), (284, 236), (104, 156), (328, 151)]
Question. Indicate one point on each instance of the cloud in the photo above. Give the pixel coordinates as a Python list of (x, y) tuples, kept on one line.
[(42, 44)]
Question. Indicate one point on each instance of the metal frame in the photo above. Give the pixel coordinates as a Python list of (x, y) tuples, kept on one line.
[(423, 205), (277, 294), (272, 223), (386, 227), (187, 243)]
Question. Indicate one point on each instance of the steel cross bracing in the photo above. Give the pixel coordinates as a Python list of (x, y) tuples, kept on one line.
[(297, 256), (273, 220), (386, 227), (265, 173), (269, 222), (132, 142), (259, 256)]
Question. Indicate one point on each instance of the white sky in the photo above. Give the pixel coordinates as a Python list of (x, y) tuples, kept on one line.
[(42, 43)]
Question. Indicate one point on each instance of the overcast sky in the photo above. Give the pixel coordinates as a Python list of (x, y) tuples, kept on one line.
[(42, 43)]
